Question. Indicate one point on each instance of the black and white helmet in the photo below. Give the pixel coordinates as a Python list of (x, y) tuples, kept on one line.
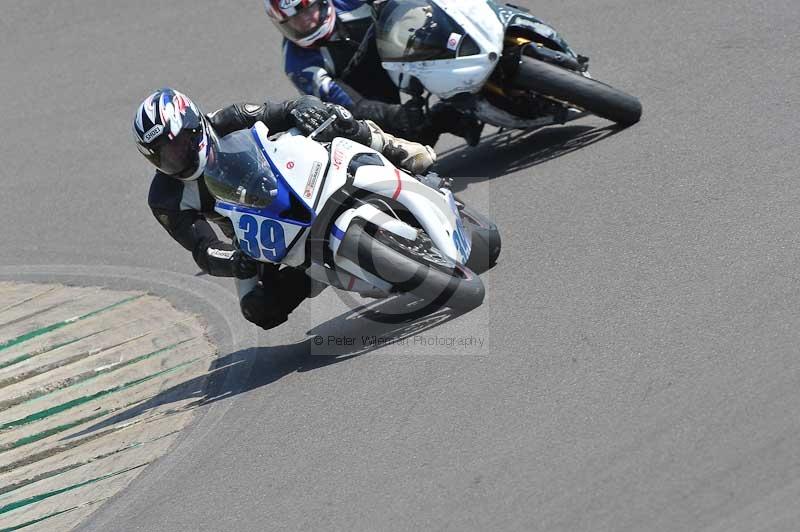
[(170, 131)]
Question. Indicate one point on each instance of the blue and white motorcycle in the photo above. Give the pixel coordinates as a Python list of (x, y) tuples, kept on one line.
[(349, 218)]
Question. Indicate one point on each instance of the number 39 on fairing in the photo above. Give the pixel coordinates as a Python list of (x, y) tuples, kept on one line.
[(262, 238)]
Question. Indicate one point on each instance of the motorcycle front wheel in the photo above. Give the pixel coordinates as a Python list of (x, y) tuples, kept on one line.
[(569, 87), (414, 267)]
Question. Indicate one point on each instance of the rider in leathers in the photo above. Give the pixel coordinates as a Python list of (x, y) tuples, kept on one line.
[(171, 132), (329, 51)]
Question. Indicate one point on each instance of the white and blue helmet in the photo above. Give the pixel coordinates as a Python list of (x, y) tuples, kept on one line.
[(170, 131), (304, 22)]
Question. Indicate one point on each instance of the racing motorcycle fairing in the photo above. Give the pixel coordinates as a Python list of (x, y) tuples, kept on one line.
[(285, 184), (269, 209), (413, 41)]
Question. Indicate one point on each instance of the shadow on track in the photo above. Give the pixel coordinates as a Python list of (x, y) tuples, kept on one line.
[(269, 364), (509, 151)]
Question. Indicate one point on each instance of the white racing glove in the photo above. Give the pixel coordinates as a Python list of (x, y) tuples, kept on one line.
[(412, 157)]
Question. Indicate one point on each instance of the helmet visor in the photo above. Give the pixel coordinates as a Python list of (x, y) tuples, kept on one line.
[(178, 156), (306, 22)]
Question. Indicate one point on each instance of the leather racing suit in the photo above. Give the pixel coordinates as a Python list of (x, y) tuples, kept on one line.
[(347, 71)]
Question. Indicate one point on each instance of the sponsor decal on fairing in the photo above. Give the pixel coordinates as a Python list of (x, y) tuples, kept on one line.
[(312, 180), (338, 158), (453, 41)]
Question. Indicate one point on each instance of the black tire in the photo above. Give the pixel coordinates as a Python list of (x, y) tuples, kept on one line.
[(571, 87), (440, 284), (486, 243)]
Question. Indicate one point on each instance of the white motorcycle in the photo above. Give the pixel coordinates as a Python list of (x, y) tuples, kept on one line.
[(493, 62), (349, 218)]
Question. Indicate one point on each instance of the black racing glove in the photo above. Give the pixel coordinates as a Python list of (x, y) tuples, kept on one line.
[(310, 118), (409, 118), (221, 259)]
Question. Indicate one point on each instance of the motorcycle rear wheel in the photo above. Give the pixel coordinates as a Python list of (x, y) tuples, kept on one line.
[(571, 87)]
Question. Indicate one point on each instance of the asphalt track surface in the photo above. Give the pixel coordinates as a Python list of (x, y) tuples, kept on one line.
[(640, 365)]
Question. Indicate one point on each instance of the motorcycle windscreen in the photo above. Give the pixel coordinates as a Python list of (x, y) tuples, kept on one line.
[(237, 172), (416, 30)]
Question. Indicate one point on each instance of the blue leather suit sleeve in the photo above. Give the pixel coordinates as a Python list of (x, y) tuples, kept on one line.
[(307, 70)]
